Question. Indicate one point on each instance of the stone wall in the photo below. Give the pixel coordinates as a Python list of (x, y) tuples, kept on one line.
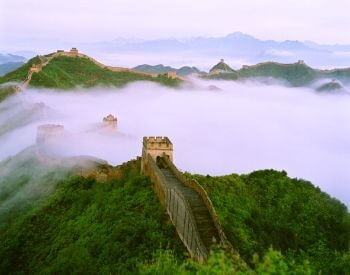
[(157, 146), (178, 209), (182, 217), (203, 194)]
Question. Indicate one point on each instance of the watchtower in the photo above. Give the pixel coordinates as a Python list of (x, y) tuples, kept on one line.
[(171, 75), (156, 146), (45, 134), (35, 68), (110, 121), (74, 51), (47, 131)]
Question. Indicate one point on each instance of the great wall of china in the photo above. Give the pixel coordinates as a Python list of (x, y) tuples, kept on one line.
[(45, 60), (187, 203)]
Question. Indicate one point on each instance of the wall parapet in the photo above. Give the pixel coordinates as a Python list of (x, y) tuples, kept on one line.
[(178, 208), (204, 195), (150, 167), (186, 226)]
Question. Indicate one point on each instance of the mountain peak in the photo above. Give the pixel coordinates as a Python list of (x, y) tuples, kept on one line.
[(240, 36), (221, 67)]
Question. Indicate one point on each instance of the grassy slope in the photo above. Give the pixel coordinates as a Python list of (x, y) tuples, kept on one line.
[(222, 66), (294, 74), (24, 180), (57, 223), (21, 73), (68, 72), (88, 227), (268, 209), (341, 74), (6, 91), (224, 76), (297, 75)]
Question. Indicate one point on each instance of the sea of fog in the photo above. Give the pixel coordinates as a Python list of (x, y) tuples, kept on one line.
[(239, 129)]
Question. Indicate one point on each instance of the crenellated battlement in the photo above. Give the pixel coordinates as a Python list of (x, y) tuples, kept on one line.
[(157, 142), (48, 131), (46, 134), (156, 147)]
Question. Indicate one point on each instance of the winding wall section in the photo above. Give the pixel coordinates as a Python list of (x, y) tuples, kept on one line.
[(188, 206)]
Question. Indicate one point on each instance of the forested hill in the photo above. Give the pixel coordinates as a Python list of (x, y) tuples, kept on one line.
[(71, 224), (297, 74), (67, 71), (161, 69)]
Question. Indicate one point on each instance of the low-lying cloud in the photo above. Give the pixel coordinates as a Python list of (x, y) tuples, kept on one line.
[(243, 127)]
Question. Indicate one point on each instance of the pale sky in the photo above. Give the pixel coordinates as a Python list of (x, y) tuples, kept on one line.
[(323, 21)]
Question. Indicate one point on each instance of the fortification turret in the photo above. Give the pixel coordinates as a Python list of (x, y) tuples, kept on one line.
[(110, 121), (156, 146), (171, 75), (45, 134), (221, 67), (35, 68), (74, 51)]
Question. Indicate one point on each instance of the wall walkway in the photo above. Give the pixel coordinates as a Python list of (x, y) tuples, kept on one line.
[(188, 206)]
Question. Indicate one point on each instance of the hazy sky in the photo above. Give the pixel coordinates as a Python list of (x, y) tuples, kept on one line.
[(324, 21)]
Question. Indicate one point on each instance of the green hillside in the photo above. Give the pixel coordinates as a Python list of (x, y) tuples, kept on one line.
[(161, 69), (78, 225), (342, 75), (65, 72), (331, 87), (295, 74), (6, 91), (221, 66), (268, 209), (155, 69), (222, 71), (224, 76), (20, 74), (276, 224)]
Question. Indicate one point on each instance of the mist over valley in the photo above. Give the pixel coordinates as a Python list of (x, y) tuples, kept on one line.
[(240, 128), (174, 137)]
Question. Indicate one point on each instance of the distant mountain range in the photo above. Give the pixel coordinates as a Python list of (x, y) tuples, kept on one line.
[(10, 62), (9, 67), (67, 70), (161, 69), (237, 46), (9, 58)]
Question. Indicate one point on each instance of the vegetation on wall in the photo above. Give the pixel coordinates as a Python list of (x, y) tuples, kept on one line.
[(89, 227), (6, 91), (64, 72), (276, 224), (267, 209), (21, 73)]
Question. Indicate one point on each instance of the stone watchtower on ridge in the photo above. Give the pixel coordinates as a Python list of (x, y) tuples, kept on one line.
[(45, 134), (156, 146), (110, 121)]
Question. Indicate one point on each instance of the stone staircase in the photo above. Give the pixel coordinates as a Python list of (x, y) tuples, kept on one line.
[(208, 232)]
